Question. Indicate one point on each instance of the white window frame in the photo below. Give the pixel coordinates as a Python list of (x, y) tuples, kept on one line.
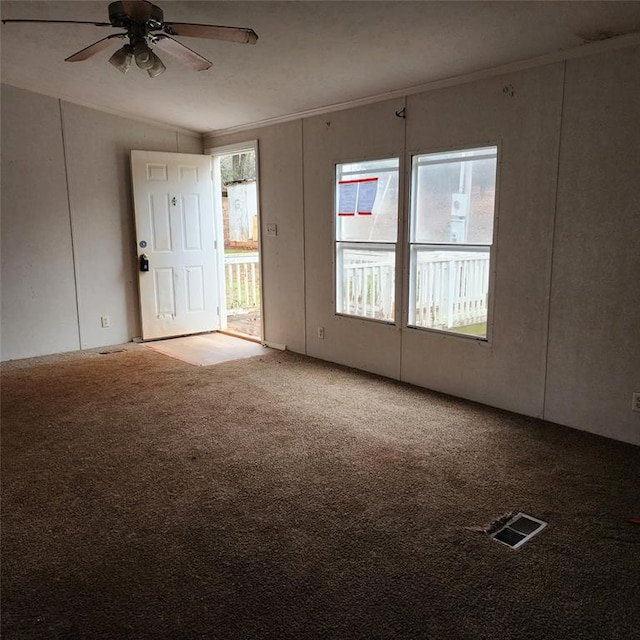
[(414, 246), (339, 245)]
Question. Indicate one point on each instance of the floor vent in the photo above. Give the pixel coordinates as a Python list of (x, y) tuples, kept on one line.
[(518, 530)]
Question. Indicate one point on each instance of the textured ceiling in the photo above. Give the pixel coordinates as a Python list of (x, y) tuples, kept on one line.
[(309, 55)]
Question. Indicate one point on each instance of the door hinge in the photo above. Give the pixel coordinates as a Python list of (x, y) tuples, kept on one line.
[(218, 311)]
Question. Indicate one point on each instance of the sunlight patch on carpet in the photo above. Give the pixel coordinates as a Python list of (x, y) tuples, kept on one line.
[(207, 349)]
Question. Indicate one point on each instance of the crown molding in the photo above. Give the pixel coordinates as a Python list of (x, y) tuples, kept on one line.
[(588, 49)]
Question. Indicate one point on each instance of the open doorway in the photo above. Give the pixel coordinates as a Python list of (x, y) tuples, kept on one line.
[(236, 196)]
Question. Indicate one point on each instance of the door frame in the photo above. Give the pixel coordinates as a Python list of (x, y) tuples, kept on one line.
[(216, 152)]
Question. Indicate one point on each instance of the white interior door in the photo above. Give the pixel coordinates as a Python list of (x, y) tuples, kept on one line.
[(175, 232)]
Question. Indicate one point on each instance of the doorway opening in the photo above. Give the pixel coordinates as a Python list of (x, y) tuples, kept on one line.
[(236, 194)]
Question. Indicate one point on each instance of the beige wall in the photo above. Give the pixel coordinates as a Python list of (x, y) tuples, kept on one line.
[(66, 197), (565, 312), (594, 330), (39, 312), (565, 317)]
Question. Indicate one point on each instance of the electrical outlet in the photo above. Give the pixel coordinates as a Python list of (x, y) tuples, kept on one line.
[(271, 230), (105, 321), (635, 401), (320, 333)]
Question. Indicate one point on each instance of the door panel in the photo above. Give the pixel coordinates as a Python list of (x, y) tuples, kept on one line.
[(160, 222), (173, 200)]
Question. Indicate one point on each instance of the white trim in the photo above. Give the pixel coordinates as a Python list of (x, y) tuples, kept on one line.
[(339, 245), (225, 150), (275, 345), (411, 244), (219, 246), (562, 55), (216, 153)]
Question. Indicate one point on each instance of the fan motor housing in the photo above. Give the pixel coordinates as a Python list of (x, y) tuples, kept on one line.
[(119, 17)]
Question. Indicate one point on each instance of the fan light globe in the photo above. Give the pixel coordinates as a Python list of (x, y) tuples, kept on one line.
[(157, 68), (143, 55), (121, 59)]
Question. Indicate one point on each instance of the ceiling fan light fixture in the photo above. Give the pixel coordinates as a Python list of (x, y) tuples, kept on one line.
[(121, 59), (143, 55), (143, 24), (157, 68)]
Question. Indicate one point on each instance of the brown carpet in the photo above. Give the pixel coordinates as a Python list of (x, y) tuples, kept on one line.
[(280, 497)]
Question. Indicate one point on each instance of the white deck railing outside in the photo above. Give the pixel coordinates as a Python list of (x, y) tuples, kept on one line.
[(449, 289), (242, 282)]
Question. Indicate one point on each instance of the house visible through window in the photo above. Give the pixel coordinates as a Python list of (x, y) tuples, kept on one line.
[(450, 240), (366, 234)]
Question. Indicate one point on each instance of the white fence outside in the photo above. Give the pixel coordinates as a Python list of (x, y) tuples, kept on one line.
[(242, 282), (449, 289), (368, 288)]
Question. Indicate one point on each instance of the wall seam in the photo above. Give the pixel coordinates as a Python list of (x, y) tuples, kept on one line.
[(304, 241), (404, 239), (553, 244), (71, 230), (261, 267)]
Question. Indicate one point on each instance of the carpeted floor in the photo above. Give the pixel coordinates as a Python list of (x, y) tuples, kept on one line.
[(280, 497)]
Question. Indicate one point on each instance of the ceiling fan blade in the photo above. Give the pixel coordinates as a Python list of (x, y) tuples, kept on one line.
[(94, 48), (137, 10), (183, 53), (95, 24), (211, 31)]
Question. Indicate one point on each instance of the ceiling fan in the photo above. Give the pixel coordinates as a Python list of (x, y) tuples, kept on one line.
[(145, 27)]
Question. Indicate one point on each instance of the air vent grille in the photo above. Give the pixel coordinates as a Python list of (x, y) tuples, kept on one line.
[(518, 530)]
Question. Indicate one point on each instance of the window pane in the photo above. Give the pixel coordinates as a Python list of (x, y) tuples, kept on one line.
[(366, 281), (449, 289), (367, 201), (454, 196)]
